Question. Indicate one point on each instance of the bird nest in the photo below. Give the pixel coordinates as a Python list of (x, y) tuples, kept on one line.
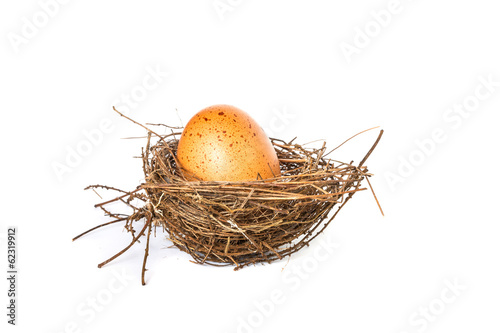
[(236, 223)]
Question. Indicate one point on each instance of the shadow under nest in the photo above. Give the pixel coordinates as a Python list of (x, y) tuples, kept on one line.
[(236, 223)]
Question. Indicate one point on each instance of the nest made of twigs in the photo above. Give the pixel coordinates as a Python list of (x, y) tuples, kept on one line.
[(237, 223)]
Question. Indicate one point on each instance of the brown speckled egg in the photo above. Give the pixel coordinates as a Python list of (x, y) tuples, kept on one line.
[(223, 143)]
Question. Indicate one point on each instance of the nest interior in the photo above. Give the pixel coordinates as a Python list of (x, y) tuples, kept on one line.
[(237, 223)]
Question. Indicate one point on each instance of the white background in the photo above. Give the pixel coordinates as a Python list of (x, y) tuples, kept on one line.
[(282, 62)]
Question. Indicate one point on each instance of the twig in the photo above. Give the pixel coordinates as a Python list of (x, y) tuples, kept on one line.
[(97, 227), (371, 149), (349, 139), (126, 248), (146, 251), (373, 192)]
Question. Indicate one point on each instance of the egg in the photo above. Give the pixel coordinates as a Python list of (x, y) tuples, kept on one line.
[(223, 143)]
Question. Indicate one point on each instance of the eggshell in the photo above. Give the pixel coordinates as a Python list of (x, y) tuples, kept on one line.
[(223, 143)]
